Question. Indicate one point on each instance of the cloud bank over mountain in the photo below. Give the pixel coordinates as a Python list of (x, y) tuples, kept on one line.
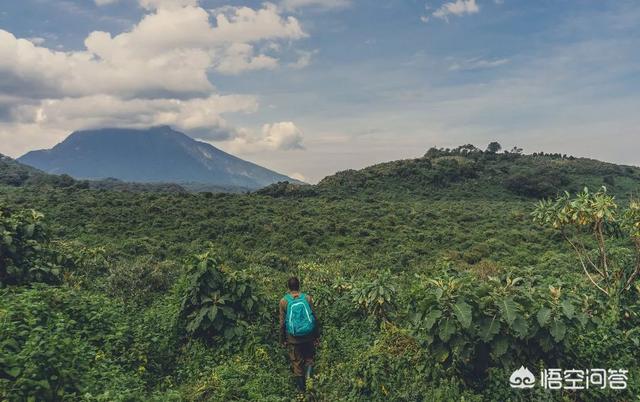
[(161, 71)]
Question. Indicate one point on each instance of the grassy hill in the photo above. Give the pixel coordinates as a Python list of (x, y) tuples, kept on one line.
[(383, 250)]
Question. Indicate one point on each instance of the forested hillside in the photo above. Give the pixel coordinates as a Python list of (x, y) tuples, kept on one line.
[(434, 279)]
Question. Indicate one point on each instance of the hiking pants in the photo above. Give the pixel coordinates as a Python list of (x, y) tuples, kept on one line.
[(301, 355)]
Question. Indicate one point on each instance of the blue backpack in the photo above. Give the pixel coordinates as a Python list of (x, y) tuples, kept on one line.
[(300, 320)]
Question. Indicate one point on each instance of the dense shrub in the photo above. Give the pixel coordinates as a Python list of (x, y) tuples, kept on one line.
[(217, 303), (59, 344), (139, 280), (25, 255), (376, 297), (543, 182), (503, 321)]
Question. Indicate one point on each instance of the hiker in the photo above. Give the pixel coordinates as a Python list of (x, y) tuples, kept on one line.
[(299, 331)]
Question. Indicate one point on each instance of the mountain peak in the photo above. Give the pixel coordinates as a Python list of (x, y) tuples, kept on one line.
[(155, 154)]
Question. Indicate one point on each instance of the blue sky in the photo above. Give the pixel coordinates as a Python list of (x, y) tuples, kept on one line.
[(309, 87)]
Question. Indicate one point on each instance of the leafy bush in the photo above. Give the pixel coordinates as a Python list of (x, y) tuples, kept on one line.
[(376, 297), (82, 265), (595, 214), (278, 262), (25, 255), (471, 326), (139, 280), (58, 343), (543, 182), (217, 302)]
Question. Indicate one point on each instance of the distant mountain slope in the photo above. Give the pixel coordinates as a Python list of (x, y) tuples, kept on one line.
[(16, 174), (13, 173), (154, 155), (467, 172)]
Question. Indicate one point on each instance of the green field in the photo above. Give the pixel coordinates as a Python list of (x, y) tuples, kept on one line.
[(432, 282)]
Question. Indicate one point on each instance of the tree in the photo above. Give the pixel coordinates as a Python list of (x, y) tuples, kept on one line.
[(494, 147), (466, 149), (596, 216)]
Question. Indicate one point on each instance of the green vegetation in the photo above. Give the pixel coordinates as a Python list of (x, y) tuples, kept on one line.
[(434, 279)]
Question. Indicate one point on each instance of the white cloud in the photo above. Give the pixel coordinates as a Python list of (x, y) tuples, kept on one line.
[(168, 51), (283, 136), (304, 59), (457, 8), (239, 57), (36, 40), (244, 24), (104, 110), (323, 4), (158, 72)]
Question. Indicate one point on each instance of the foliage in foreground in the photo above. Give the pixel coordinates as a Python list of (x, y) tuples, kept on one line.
[(25, 255), (423, 292), (217, 302), (597, 215)]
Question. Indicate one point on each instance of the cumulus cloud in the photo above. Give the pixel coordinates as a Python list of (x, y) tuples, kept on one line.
[(456, 8), (240, 57), (158, 72), (282, 136), (105, 2), (104, 110)]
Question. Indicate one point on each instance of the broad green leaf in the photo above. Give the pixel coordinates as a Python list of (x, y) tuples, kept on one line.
[(441, 353), (543, 316), (213, 312), (521, 327), (463, 313), (568, 309), (508, 308), (500, 346), (582, 318), (558, 329), (431, 318), (416, 317), (489, 328), (447, 329)]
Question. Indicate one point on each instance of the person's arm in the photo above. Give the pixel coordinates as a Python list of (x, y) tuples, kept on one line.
[(282, 333), (316, 330)]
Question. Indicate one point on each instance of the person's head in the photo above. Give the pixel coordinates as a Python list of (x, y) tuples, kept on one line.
[(293, 284)]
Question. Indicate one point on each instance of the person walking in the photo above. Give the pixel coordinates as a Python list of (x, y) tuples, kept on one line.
[(299, 332)]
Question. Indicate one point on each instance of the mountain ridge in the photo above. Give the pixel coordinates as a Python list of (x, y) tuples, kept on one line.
[(154, 155)]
